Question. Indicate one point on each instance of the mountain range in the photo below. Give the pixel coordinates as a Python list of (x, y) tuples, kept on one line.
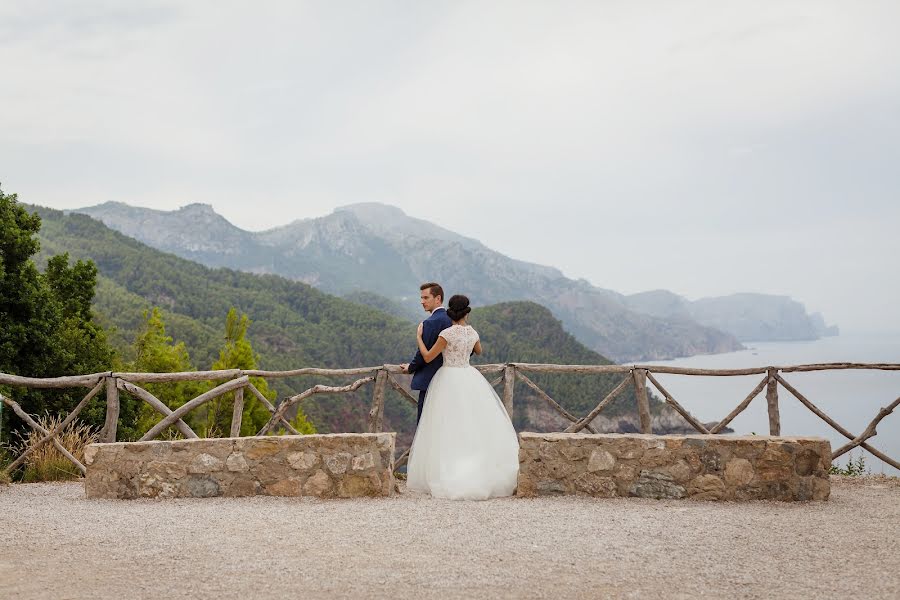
[(375, 253)]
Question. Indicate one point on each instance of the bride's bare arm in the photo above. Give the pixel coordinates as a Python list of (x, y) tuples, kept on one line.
[(477, 348), (430, 355)]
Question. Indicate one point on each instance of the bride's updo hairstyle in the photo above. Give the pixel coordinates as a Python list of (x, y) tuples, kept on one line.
[(458, 307)]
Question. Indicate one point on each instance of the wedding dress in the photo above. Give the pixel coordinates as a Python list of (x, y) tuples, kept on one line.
[(465, 447)]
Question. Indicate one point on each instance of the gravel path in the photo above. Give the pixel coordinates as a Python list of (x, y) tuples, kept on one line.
[(54, 543)]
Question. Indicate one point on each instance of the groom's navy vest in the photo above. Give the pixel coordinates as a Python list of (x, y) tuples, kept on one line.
[(421, 370)]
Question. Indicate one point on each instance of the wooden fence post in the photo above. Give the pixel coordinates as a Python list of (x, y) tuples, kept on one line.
[(509, 384), (772, 401), (643, 403), (376, 415), (238, 412), (108, 434)]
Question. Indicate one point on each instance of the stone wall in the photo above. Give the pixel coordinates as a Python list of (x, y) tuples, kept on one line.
[(703, 467), (345, 465)]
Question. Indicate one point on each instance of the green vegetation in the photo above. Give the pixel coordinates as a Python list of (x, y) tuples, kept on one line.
[(5, 460), (854, 468), (47, 327), (294, 324), (407, 311), (238, 354), (155, 352)]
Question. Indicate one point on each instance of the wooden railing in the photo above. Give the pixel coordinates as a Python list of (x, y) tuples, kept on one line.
[(384, 376)]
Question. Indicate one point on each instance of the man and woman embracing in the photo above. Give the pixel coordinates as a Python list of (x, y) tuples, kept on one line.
[(465, 447)]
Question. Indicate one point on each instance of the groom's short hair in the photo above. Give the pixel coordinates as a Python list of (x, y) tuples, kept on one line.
[(435, 289)]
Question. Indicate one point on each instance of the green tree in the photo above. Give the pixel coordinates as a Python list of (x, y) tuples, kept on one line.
[(80, 343), (237, 353), (47, 328), (156, 352)]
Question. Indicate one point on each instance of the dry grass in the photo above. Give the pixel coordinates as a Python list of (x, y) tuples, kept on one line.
[(47, 463)]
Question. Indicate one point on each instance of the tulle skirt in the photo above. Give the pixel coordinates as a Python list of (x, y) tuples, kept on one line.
[(465, 447)]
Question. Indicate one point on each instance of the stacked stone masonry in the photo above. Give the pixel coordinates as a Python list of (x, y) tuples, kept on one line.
[(345, 465), (702, 467)]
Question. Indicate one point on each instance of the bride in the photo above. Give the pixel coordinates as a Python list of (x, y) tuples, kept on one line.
[(465, 447)]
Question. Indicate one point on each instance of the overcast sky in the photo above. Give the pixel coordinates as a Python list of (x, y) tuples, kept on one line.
[(706, 147)]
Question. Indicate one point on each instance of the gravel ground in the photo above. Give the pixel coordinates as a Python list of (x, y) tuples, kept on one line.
[(55, 543)]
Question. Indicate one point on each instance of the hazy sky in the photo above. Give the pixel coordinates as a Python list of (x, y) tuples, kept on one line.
[(706, 147)]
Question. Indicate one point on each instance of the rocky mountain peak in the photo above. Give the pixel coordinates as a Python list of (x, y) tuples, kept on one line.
[(199, 208), (194, 229)]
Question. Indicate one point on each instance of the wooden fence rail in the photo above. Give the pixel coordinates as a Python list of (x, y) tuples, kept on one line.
[(384, 376)]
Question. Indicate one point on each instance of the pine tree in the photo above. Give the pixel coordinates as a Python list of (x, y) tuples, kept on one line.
[(237, 353), (156, 352)]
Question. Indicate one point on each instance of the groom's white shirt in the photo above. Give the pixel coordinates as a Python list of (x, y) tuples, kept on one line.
[(437, 309)]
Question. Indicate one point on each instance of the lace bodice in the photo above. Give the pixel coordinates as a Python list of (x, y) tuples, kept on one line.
[(460, 341)]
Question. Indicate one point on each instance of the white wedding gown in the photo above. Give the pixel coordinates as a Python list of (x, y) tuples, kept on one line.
[(465, 446)]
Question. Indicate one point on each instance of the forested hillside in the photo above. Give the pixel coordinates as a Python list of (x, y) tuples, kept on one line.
[(377, 248), (295, 325)]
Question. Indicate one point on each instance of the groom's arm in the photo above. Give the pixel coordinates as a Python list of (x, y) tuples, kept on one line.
[(415, 363), (430, 333)]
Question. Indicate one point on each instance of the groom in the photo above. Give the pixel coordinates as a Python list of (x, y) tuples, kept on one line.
[(432, 297)]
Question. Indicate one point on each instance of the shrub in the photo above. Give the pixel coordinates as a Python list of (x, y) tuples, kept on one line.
[(47, 463), (854, 468)]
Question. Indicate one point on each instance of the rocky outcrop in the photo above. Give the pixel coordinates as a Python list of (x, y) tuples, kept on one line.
[(345, 465), (195, 231), (701, 467)]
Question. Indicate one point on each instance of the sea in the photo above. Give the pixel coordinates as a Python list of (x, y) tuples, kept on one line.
[(850, 397)]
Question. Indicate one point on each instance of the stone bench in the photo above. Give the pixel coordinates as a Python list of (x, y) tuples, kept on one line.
[(703, 467), (345, 465)]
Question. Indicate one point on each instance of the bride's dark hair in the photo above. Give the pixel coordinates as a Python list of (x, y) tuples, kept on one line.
[(458, 307)]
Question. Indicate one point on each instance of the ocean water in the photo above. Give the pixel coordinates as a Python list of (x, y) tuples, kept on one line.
[(850, 397)]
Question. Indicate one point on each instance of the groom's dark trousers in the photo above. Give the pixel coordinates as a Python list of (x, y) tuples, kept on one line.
[(421, 370)]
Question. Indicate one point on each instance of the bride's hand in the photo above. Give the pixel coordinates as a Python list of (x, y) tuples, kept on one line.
[(419, 329)]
